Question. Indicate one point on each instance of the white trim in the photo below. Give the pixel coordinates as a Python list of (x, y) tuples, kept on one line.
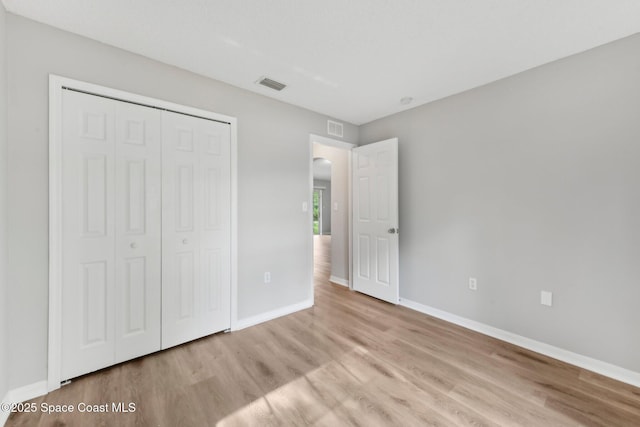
[(55, 235), (274, 314), (330, 141), (56, 84), (22, 394), (309, 230), (339, 281), (588, 363), (27, 392), (350, 216), (234, 222)]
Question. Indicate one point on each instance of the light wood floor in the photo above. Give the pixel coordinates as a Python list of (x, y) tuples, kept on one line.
[(350, 360)]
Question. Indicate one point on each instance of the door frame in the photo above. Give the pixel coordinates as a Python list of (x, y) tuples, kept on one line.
[(56, 86), (347, 146)]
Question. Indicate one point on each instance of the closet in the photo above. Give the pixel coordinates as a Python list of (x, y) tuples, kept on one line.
[(145, 233)]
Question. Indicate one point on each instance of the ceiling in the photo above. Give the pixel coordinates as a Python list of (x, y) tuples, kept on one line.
[(350, 59)]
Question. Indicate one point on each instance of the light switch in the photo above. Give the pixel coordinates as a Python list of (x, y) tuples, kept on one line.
[(305, 206), (546, 298), (335, 206)]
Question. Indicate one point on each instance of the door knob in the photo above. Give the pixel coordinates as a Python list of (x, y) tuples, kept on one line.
[(393, 230), (133, 245), (185, 241)]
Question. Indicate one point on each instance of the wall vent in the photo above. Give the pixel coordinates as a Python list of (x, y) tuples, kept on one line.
[(271, 84), (335, 128)]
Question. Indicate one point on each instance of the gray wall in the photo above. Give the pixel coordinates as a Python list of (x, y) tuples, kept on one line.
[(4, 345), (530, 183), (339, 219), (326, 203), (273, 145)]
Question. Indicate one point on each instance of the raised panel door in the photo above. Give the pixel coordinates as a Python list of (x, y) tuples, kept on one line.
[(138, 286), (375, 220), (196, 228), (88, 278)]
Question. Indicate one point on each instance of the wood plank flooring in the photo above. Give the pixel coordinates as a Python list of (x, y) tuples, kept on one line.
[(349, 360)]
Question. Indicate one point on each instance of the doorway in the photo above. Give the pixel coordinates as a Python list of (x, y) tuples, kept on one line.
[(330, 188), (321, 200)]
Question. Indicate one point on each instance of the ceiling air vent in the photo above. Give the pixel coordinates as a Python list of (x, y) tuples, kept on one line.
[(334, 128), (272, 84)]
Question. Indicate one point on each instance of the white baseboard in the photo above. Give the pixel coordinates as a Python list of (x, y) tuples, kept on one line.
[(21, 394), (588, 363), (339, 281), (27, 392), (270, 315)]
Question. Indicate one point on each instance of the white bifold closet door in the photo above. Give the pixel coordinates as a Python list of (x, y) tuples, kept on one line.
[(196, 228), (111, 272)]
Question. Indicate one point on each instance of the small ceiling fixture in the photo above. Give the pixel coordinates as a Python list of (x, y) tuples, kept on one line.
[(406, 100), (270, 83)]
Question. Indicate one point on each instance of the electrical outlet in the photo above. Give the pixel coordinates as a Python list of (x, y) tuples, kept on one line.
[(546, 298), (473, 283), (267, 277)]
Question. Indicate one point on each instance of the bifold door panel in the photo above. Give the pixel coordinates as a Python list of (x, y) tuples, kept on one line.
[(138, 230), (196, 228), (88, 286), (145, 239)]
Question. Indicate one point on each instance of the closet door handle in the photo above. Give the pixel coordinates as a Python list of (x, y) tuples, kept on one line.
[(185, 241), (133, 245)]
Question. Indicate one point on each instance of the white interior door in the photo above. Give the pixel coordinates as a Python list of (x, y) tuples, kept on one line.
[(196, 228), (110, 232), (138, 168), (375, 220), (88, 237)]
